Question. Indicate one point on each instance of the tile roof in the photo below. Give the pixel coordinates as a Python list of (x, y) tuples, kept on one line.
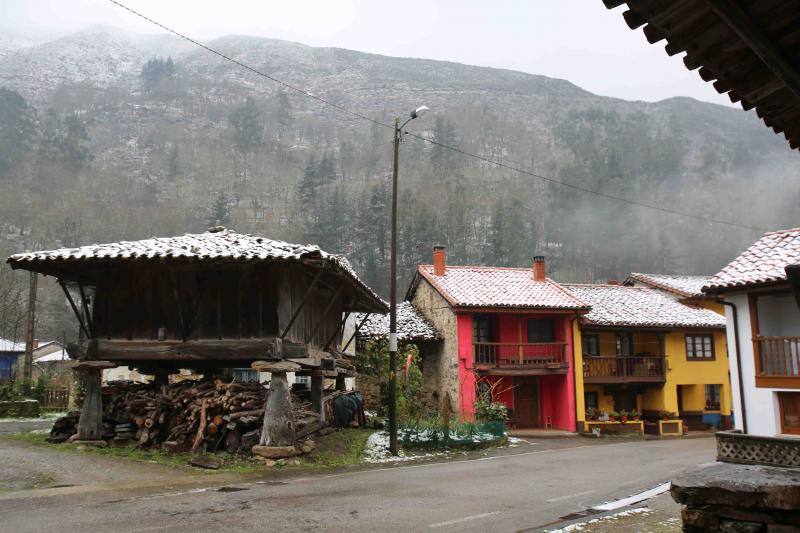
[(764, 262), (7, 345), (685, 286), (215, 244), (476, 286), (58, 355), (618, 305), (411, 325)]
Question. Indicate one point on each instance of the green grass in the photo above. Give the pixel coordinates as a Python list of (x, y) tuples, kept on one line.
[(340, 448), (228, 463), (337, 449)]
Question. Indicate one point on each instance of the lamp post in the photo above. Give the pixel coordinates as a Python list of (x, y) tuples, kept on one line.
[(398, 133)]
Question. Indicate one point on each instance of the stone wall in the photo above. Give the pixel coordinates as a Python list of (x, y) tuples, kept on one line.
[(19, 409), (440, 367), (739, 498)]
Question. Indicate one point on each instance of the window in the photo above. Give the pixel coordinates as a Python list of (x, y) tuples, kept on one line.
[(591, 400), (700, 347), (482, 329), (259, 214), (712, 397), (245, 375), (305, 380), (541, 330), (483, 391), (624, 345), (591, 344), (790, 412)]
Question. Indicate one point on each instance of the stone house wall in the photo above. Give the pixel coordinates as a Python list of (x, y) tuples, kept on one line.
[(440, 366)]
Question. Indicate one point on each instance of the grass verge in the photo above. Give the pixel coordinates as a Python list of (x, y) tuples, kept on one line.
[(337, 449)]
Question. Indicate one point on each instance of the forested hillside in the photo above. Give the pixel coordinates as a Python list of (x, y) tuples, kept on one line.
[(106, 136)]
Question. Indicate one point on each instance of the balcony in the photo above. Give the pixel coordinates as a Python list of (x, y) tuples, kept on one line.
[(777, 361), (613, 369), (514, 358)]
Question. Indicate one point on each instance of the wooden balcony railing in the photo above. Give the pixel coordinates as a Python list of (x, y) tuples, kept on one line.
[(612, 368), (514, 354), (777, 361)]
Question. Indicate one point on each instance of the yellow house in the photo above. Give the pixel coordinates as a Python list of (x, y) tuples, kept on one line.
[(653, 351)]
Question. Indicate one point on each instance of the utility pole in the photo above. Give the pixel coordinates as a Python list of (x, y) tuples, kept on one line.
[(27, 367), (398, 134), (393, 299)]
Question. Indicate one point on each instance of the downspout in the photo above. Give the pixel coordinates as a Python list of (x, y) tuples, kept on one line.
[(574, 368), (738, 359)]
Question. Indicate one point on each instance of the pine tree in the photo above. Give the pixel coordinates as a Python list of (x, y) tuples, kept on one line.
[(220, 214)]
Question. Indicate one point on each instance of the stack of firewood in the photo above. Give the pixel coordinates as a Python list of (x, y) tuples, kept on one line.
[(190, 415)]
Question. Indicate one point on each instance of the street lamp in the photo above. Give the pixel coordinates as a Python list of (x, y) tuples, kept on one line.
[(398, 133)]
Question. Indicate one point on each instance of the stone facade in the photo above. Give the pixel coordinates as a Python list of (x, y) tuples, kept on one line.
[(440, 366)]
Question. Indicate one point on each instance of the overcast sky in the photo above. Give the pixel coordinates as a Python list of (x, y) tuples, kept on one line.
[(577, 40)]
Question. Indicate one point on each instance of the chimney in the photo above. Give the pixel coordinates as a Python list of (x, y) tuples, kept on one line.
[(439, 260), (35, 343), (538, 268)]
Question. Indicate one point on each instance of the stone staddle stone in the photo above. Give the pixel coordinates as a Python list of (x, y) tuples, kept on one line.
[(737, 485)]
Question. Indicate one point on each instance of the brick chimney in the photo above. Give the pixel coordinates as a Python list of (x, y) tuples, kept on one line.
[(538, 268), (439, 260)]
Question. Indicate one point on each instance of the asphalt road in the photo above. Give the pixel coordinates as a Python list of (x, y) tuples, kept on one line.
[(529, 489)]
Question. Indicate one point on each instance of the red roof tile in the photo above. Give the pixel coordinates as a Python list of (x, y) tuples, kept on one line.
[(764, 262), (476, 286)]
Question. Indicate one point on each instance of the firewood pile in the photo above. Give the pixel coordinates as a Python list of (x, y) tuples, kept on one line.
[(192, 416)]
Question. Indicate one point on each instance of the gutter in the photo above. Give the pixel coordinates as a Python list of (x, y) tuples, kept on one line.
[(738, 359)]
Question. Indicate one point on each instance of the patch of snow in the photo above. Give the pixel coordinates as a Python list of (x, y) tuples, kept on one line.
[(587, 526), (377, 451)]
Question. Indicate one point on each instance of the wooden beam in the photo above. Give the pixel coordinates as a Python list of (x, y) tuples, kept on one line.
[(759, 42), (178, 305), (355, 331), (341, 328), (86, 311), (74, 308), (302, 303), (192, 350)]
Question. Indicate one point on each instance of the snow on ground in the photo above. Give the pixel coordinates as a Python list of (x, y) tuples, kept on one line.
[(606, 520), (377, 451)]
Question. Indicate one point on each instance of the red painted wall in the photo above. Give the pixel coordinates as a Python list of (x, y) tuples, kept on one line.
[(557, 391), (466, 377)]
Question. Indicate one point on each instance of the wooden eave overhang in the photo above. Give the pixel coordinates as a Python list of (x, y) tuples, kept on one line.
[(749, 49)]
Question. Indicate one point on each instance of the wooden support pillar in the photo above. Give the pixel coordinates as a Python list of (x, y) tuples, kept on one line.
[(278, 427), (318, 395), (90, 424)]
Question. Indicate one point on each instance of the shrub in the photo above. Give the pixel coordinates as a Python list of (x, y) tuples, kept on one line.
[(489, 411)]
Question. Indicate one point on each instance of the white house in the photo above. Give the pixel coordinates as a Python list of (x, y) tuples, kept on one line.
[(763, 331)]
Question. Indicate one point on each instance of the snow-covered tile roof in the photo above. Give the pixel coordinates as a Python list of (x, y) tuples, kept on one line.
[(58, 355), (763, 262), (476, 286), (618, 305), (685, 286), (215, 244), (411, 325), (7, 345)]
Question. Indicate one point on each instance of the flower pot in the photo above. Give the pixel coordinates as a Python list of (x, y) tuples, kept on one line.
[(623, 419)]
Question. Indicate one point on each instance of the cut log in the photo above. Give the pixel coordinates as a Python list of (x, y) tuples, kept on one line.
[(200, 429)]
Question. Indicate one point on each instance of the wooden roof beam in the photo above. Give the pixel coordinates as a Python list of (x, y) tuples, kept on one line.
[(758, 41)]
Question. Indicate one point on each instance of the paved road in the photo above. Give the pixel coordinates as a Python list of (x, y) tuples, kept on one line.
[(528, 489)]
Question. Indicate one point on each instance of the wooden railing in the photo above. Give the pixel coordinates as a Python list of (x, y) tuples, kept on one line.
[(55, 399), (623, 367), (777, 357), (539, 354)]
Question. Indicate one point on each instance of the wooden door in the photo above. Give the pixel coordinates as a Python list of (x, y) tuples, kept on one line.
[(526, 402)]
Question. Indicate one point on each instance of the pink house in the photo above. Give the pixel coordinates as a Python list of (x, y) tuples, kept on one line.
[(505, 326)]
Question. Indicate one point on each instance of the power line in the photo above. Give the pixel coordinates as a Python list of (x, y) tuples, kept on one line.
[(432, 141)]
